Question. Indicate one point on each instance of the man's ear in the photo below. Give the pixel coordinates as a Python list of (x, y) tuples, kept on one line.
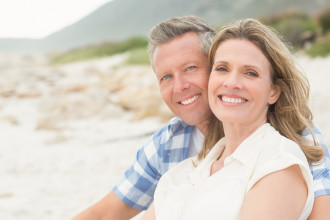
[(275, 94)]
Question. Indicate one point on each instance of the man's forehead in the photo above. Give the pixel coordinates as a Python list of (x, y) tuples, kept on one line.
[(181, 51), (181, 60), (188, 39)]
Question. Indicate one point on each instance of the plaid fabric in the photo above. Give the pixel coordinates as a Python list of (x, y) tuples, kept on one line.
[(169, 146), (320, 170), (165, 148)]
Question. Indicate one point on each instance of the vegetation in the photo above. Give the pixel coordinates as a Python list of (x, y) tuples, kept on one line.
[(304, 32), (293, 25), (323, 19), (97, 51), (320, 47), (300, 29), (139, 56)]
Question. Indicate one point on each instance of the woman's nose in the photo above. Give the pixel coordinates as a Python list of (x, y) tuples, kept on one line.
[(233, 81)]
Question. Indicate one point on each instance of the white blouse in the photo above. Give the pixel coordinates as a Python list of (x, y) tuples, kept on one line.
[(189, 192)]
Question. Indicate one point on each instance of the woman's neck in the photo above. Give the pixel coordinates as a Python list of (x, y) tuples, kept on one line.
[(236, 133)]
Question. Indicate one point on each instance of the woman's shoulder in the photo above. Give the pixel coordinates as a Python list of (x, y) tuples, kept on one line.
[(279, 153), (277, 146), (180, 172)]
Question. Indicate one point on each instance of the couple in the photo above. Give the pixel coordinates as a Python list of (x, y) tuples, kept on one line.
[(256, 91)]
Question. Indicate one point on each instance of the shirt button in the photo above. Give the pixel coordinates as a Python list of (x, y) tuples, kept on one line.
[(228, 160)]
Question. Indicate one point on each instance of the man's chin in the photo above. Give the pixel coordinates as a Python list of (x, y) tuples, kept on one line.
[(194, 118), (193, 121)]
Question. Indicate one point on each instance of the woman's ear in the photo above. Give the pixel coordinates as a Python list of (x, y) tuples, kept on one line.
[(275, 94)]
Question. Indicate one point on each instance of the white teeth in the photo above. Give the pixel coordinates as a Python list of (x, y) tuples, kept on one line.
[(232, 100), (191, 100)]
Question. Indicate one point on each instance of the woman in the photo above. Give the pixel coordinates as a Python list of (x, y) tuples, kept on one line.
[(259, 170)]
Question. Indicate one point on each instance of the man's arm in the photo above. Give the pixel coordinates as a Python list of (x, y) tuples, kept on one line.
[(321, 208), (110, 207), (134, 192), (136, 189), (150, 213), (321, 181)]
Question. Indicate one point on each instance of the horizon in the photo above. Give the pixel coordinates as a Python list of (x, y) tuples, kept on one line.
[(37, 19)]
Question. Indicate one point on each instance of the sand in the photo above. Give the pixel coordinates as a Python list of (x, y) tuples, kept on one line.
[(65, 139)]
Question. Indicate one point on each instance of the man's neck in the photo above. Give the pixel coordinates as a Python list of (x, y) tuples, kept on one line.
[(203, 127)]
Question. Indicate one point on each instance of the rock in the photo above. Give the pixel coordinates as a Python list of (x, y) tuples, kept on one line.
[(29, 94), (48, 124), (9, 118), (7, 92)]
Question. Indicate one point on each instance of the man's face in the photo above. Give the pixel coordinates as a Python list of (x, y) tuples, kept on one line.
[(182, 71)]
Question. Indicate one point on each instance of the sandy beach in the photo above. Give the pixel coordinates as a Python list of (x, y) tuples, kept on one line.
[(69, 132)]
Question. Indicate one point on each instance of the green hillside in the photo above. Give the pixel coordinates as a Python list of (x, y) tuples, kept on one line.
[(119, 20)]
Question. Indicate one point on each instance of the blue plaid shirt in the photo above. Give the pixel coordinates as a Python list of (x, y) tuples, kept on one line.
[(169, 146)]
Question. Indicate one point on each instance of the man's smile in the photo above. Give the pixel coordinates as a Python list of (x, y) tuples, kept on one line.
[(189, 101)]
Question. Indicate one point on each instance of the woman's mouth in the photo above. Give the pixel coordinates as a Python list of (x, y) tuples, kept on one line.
[(231, 99)]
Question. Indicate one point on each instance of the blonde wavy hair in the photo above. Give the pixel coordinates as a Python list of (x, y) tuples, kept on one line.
[(290, 115)]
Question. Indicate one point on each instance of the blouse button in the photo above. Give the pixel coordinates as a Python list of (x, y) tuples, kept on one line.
[(228, 160)]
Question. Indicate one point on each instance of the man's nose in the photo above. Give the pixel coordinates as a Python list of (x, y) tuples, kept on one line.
[(181, 83)]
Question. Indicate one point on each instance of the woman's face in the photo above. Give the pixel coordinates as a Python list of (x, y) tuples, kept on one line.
[(240, 88)]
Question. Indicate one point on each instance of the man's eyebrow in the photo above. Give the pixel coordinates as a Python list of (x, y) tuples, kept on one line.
[(161, 73)]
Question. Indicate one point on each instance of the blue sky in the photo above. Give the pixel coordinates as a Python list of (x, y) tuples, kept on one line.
[(39, 18)]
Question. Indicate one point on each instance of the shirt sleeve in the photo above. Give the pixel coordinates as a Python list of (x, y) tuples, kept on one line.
[(320, 170), (137, 186), (280, 157)]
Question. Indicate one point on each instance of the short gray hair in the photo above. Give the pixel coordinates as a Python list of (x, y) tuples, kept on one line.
[(176, 27)]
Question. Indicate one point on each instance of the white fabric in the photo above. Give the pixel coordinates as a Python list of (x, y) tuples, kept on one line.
[(196, 140), (189, 192)]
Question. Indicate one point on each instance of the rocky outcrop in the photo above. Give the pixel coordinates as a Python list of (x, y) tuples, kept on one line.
[(82, 90)]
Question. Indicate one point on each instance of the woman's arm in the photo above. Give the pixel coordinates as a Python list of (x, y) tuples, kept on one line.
[(279, 195)]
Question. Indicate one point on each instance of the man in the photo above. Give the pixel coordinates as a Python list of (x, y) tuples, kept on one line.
[(178, 53)]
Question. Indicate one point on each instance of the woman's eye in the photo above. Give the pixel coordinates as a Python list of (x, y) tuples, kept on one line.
[(165, 77), (250, 73), (191, 68), (221, 68)]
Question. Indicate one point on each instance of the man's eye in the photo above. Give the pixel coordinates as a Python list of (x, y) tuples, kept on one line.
[(165, 77), (191, 68)]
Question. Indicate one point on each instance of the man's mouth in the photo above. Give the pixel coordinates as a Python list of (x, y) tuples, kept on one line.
[(189, 101), (232, 100)]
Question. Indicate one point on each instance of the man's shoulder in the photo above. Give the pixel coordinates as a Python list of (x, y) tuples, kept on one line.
[(319, 138), (174, 132), (172, 140), (167, 146), (173, 127)]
